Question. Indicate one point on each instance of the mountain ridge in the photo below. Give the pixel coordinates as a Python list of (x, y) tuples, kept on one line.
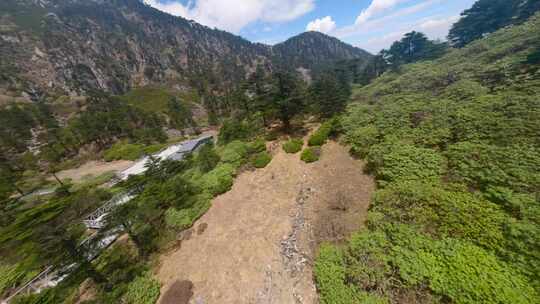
[(75, 47)]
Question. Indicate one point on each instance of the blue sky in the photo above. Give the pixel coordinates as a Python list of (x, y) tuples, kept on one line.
[(369, 24)]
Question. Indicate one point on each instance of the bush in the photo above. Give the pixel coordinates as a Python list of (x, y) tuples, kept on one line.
[(331, 278), (317, 139), (184, 218), (271, 135), (327, 129), (234, 153), (143, 290), (256, 146), (482, 166), (219, 180), (260, 160), (125, 151), (394, 162), (293, 146), (11, 275), (207, 158), (91, 181), (234, 129), (464, 273), (398, 255), (152, 149), (441, 212), (311, 154), (180, 219)]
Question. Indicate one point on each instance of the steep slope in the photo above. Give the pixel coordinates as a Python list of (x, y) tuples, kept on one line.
[(76, 46), (455, 148), (310, 49)]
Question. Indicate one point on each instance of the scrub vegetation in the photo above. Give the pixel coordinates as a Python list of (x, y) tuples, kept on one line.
[(454, 146)]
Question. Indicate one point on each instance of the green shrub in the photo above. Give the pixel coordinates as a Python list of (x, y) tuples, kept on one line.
[(125, 151), (256, 146), (234, 153), (143, 290), (441, 212), (454, 143), (207, 158), (451, 268), (11, 275), (406, 162), (317, 139), (184, 218), (219, 180), (260, 160), (464, 273), (311, 154), (178, 218), (271, 135), (331, 278), (234, 129), (152, 149), (482, 166), (327, 129), (91, 181), (361, 139), (293, 146)]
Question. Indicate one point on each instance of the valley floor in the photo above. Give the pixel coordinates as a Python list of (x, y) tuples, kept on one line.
[(257, 242)]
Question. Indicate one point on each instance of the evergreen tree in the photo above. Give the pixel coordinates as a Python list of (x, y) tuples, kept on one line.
[(329, 94), (487, 16), (207, 158), (374, 68), (180, 114), (413, 47), (258, 88), (288, 96)]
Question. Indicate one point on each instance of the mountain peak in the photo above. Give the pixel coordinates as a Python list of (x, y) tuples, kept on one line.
[(312, 48)]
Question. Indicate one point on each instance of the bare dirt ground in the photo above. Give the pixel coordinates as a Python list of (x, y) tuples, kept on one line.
[(257, 242), (94, 168)]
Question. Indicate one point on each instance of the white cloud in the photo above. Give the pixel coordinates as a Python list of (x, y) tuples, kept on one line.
[(438, 28), (233, 15), (435, 27), (323, 25), (376, 7), (385, 20)]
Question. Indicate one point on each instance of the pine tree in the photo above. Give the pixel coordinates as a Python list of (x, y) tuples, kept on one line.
[(288, 96), (487, 16)]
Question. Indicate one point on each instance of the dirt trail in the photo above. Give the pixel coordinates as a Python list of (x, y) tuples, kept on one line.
[(257, 242)]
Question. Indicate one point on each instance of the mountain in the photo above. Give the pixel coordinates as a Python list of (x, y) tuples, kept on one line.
[(76, 46), (310, 49)]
